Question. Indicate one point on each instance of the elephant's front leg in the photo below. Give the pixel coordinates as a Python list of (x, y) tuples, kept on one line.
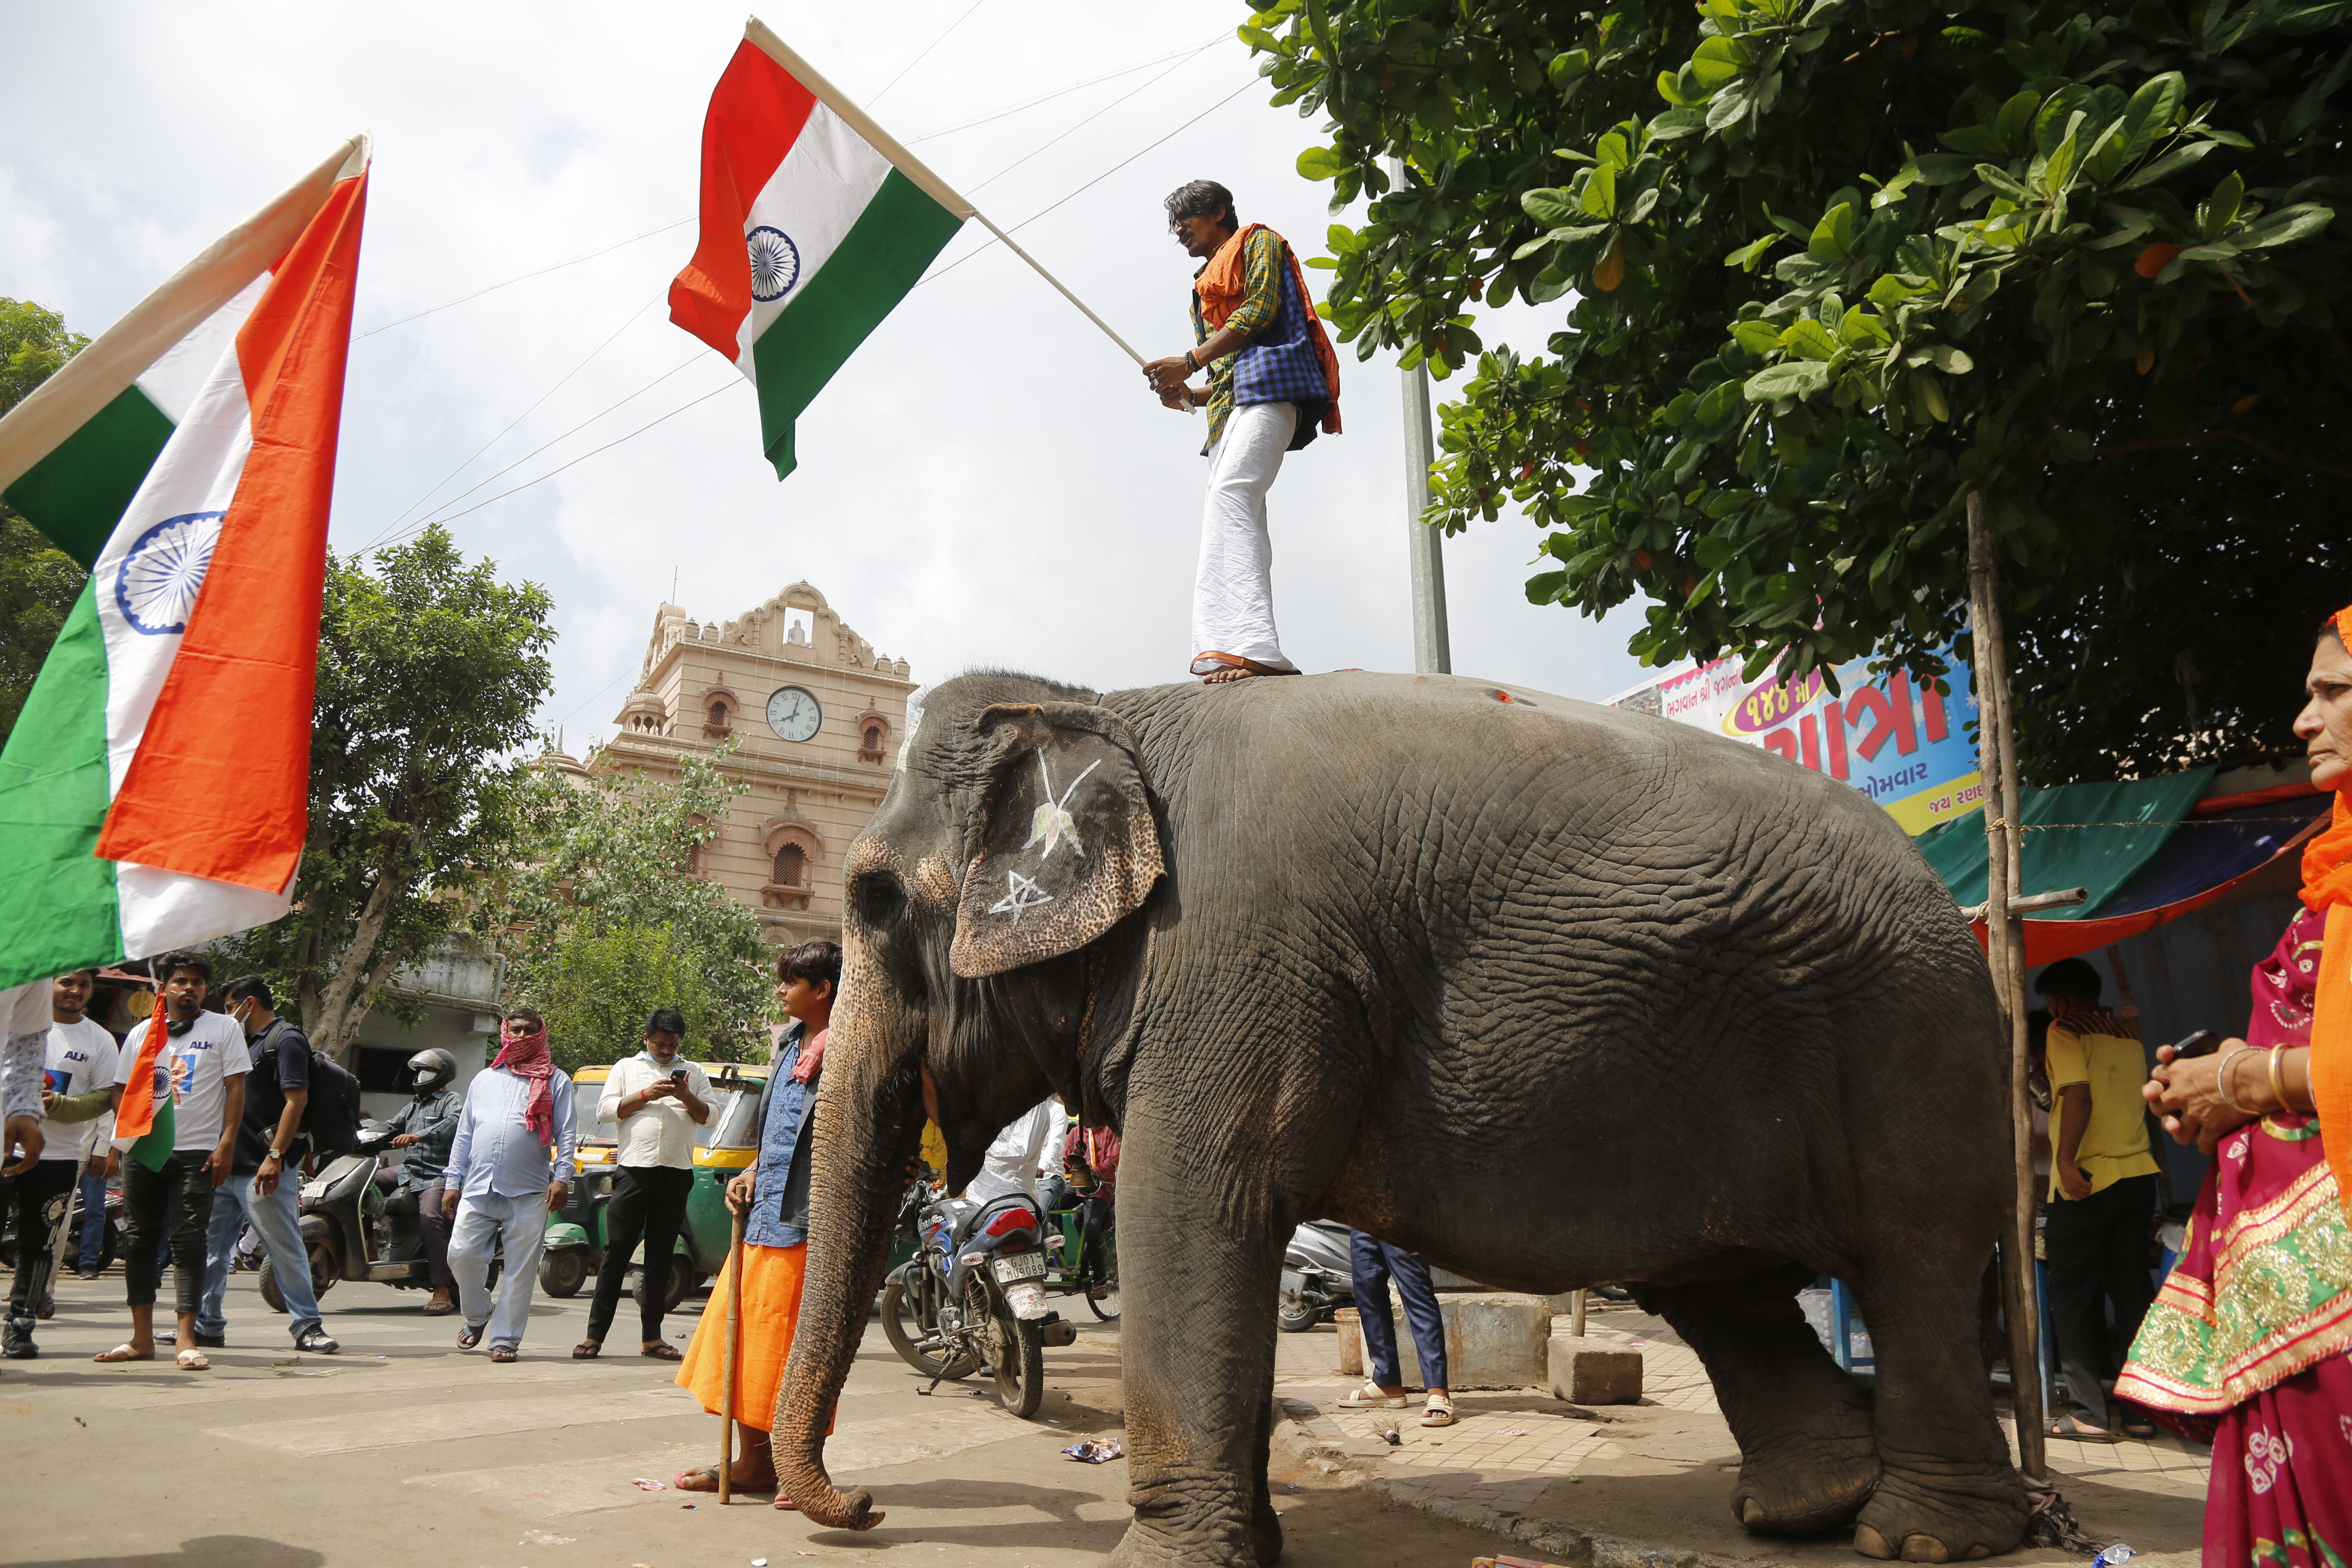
[(1200, 1265)]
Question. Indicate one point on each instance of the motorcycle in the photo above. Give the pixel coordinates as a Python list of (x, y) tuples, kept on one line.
[(350, 1230), (973, 1295), (1316, 1277)]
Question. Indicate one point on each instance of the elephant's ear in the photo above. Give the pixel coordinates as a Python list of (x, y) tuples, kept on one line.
[(1065, 846)]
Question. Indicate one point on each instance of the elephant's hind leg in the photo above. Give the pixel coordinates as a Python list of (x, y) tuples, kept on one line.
[(1809, 1458)]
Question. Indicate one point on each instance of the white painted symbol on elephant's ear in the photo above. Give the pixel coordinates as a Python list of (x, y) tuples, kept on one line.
[(1051, 821), (1020, 893)]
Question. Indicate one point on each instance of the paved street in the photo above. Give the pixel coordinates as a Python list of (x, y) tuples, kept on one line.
[(401, 1448)]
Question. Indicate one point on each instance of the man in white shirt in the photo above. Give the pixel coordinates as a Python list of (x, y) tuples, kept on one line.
[(658, 1100), (193, 1064), (1011, 1162), (510, 1164), (80, 1058)]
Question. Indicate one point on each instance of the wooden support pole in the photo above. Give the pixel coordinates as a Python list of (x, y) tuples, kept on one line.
[(2005, 953), (1576, 1311), (734, 1355)]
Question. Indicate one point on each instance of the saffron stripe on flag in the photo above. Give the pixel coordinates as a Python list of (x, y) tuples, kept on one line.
[(881, 257)]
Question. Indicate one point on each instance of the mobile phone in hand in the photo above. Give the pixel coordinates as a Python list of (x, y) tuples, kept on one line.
[(2201, 1043)]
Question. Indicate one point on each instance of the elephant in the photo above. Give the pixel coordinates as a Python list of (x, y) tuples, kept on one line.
[(1547, 993)]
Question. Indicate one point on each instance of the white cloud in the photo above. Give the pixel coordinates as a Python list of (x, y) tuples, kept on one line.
[(985, 482)]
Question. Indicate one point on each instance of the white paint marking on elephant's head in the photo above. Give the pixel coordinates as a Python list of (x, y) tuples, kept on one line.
[(1020, 893), (1051, 821)]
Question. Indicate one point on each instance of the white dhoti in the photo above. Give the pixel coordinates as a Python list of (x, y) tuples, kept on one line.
[(1232, 595)]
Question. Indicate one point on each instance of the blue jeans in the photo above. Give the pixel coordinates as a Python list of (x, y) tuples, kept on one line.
[(1371, 1263), (517, 1228), (93, 1217), (279, 1217)]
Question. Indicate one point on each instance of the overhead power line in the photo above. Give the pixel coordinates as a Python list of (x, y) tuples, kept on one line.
[(523, 278), (918, 60), (1127, 97), (1074, 87)]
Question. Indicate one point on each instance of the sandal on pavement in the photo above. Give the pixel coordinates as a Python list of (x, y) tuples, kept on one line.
[(587, 1349), (505, 1354), (788, 1505), (1440, 1412), (2138, 1427), (123, 1352), (2067, 1427), (193, 1359), (439, 1308), (470, 1335), (706, 1479), (1369, 1397), (661, 1353)]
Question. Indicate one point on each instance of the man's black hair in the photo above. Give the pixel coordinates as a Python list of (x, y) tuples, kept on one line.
[(249, 985), (171, 964), (2070, 977), (1202, 199), (511, 1014), (818, 962), (665, 1021)]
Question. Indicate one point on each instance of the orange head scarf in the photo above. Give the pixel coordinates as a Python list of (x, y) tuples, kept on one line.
[(2327, 886)]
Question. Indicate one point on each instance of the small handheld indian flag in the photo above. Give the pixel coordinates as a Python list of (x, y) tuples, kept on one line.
[(816, 223), (155, 790)]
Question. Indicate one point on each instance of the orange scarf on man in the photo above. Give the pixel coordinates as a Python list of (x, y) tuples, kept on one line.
[(1223, 283), (2328, 884)]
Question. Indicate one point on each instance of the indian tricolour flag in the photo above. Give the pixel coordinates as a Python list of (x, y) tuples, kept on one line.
[(155, 790), (814, 224)]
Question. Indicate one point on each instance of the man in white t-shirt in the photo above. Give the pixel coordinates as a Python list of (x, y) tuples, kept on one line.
[(196, 1062), (1011, 1162), (80, 1058), (657, 1099)]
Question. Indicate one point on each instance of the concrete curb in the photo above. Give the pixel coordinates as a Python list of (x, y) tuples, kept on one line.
[(1305, 1431)]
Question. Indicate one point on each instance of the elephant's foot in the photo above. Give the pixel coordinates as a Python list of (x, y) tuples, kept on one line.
[(1809, 1481), (1212, 1542), (1926, 1517)]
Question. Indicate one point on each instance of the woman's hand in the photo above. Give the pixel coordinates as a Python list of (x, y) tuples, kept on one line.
[(738, 1195), (2187, 1096)]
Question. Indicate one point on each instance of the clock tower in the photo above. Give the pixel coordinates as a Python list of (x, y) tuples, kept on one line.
[(817, 717)]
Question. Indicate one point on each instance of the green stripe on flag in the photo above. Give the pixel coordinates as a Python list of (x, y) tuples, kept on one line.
[(880, 258), (78, 493), (60, 911), (154, 1150)]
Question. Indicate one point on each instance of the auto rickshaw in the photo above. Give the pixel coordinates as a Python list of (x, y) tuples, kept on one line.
[(723, 1147)]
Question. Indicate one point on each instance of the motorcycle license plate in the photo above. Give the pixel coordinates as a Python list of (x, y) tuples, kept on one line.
[(1025, 1266)]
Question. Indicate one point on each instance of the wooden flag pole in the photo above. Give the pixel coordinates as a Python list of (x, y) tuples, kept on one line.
[(2005, 954), (734, 1354)]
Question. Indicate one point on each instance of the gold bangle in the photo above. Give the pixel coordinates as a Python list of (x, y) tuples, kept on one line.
[(2221, 1080), (2278, 1084)]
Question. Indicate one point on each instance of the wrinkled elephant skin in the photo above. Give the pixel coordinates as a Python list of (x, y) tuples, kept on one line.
[(1550, 994)]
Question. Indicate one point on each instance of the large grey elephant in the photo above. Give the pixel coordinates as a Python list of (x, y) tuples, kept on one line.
[(1547, 993)]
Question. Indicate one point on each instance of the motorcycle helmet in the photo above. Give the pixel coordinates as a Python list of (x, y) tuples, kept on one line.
[(433, 1070)]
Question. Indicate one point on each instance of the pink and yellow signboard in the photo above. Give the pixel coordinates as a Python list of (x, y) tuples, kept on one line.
[(1906, 746)]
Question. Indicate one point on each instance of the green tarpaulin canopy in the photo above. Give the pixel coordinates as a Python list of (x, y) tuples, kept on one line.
[(2092, 836)]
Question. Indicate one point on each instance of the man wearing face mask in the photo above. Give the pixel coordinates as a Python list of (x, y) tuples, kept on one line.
[(511, 1162), (265, 1173), (426, 1127), (657, 1099)]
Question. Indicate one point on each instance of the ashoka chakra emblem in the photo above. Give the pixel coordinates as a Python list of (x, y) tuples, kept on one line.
[(156, 586), (775, 263)]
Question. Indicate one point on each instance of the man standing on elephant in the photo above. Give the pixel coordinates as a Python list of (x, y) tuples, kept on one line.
[(1273, 382)]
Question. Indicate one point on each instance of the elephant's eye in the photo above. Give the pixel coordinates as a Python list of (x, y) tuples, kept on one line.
[(879, 899)]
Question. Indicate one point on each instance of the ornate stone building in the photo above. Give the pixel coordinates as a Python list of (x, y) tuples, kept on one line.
[(816, 716)]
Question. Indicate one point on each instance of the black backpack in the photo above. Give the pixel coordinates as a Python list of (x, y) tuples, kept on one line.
[(331, 1119)]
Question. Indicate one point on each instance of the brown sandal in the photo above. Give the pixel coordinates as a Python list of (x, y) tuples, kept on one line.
[(657, 1352), (587, 1349)]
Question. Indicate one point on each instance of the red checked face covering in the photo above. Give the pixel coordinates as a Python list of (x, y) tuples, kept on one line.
[(524, 1054)]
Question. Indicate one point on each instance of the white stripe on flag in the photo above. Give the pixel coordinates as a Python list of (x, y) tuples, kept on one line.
[(814, 198)]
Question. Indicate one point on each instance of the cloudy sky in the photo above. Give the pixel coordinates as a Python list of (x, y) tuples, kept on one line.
[(985, 482)]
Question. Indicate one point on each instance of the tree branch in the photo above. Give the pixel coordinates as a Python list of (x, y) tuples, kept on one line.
[(2223, 433)]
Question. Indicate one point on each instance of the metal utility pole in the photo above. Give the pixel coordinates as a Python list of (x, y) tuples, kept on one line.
[(1432, 646), (2005, 952)]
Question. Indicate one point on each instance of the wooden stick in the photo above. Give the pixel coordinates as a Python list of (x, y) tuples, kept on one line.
[(2005, 954), (1576, 1308), (734, 1354)]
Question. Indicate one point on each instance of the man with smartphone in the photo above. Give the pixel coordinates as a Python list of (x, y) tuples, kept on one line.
[(658, 1099)]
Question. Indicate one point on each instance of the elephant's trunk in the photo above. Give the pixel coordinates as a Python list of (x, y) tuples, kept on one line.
[(869, 1123)]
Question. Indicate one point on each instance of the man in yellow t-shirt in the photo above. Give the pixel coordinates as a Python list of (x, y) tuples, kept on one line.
[(2102, 1191)]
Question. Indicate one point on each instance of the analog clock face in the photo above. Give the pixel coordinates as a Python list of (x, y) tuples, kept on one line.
[(793, 713)]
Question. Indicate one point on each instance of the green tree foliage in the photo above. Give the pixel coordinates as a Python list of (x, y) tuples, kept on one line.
[(1831, 266), (603, 920), (38, 583), (429, 671)]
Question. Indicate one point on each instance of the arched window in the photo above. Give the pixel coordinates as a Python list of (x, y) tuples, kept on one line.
[(872, 749), (719, 715), (792, 863)]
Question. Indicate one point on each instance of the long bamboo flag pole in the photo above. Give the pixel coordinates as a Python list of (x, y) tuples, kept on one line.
[(2005, 954)]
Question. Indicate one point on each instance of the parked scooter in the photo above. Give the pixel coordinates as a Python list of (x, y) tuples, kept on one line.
[(973, 1295), (1316, 1277), (348, 1232)]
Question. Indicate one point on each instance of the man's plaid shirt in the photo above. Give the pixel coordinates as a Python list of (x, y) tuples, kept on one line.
[(1278, 364)]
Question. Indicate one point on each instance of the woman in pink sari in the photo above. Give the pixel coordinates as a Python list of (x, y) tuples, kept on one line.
[(2247, 1344)]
